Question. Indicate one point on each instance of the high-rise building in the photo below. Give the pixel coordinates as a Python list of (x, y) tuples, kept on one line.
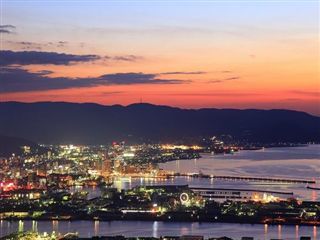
[(106, 169)]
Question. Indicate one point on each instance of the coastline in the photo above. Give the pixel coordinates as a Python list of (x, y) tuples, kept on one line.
[(161, 220), (169, 218), (268, 146)]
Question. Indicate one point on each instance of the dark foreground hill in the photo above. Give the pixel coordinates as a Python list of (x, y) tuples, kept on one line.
[(58, 122), (9, 145)]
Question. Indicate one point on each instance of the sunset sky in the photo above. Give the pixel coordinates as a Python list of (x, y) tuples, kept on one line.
[(190, 54)]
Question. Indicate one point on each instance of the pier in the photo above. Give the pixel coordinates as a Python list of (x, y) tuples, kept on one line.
[(246, 178), (209, 190)]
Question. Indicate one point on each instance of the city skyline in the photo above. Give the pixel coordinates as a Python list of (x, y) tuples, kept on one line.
[(232, 54)]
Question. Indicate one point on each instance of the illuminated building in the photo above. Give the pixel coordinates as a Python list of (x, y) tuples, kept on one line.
[(7, 186), (26, 149), (106, 169), (117, 165), (24, 194), (129, 169)]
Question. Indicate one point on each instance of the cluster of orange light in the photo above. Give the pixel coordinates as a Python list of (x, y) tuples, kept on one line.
[(7, 186), (183, 147)]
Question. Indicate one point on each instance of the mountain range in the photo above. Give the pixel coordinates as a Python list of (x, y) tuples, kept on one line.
[(89, 123)]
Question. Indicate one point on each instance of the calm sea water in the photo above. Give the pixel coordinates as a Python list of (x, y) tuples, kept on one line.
[(157, 229), (295, 163), (298, 162)]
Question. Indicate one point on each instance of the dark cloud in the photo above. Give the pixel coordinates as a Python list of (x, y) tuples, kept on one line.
[(127, 58), (62, 43), (4, 30), (37, 45), (9, 57), (136, 78), (224, 80), (7, 28), (25, 45), (184, 73), (231, 78), (21, 80)]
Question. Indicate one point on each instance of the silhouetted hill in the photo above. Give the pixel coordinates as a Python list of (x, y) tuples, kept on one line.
[(59, 122), (9, 145)]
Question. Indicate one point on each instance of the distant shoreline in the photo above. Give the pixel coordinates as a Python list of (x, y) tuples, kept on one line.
[(246, 149)]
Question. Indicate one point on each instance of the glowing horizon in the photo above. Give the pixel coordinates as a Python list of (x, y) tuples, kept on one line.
[(234, 54)]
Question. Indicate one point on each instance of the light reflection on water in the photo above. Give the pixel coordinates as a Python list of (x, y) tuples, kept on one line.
[(265, 231), (55, 226), (34, 226), (96, 228), (157, 229)]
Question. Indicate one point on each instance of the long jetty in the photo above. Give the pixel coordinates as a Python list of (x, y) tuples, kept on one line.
[(245, 178), (209, 190)]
